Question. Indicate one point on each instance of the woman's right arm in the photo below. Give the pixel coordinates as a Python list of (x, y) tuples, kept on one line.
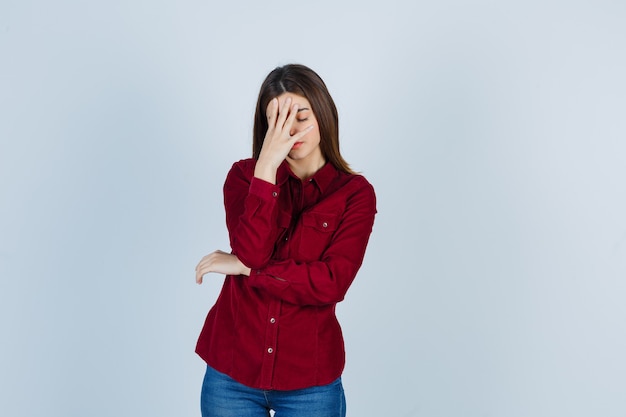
[(251, 215), (252, 201)]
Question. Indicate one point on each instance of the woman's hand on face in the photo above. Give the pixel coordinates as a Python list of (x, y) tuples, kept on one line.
[(278, 140), (221, 263)]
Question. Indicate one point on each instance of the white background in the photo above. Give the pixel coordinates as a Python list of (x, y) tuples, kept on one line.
[(494, 133)]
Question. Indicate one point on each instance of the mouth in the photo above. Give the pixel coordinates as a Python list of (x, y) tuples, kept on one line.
[(296, 145)]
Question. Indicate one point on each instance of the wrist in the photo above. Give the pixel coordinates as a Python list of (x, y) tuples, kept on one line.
[(265, 171), (243, 269)]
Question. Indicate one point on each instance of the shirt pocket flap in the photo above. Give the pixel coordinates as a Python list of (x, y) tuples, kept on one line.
[(323, 222)]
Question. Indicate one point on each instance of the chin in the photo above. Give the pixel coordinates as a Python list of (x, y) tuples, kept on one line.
[(297, 154)]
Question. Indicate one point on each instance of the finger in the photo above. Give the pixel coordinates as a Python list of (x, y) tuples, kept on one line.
[(292, 118), (203, 262), (206, 263), (271, 111), (302, 133), (209, 257), (202, 271), (283, 112), (205, 266)]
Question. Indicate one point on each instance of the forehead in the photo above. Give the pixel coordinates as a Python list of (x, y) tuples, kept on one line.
[(295, 99)]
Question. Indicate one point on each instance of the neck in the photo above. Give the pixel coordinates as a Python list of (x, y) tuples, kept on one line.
[(306, 168)]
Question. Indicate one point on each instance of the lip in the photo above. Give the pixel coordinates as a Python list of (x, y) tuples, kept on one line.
[(297, 145)]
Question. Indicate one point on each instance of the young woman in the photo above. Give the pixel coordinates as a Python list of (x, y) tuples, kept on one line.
[(299, 221)]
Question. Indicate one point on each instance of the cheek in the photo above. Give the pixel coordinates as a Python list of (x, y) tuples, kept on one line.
[(315, 136), (315, 132)]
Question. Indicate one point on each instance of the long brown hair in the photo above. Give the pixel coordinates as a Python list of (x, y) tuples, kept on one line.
[(303, 81)]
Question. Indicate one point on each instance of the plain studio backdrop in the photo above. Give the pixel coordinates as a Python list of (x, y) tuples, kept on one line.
[(493, 132)]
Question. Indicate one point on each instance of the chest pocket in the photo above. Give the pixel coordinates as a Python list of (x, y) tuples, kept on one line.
[(317, 231)]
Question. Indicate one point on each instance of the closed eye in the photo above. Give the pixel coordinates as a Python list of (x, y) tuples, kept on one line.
[(303, 119)]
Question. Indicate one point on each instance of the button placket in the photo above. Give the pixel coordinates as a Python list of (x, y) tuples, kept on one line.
[(270, 343)]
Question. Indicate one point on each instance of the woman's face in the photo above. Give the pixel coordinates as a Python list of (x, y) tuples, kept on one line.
[(306, 148)]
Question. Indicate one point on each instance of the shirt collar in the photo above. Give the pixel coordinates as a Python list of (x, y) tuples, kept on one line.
[(322, 178)]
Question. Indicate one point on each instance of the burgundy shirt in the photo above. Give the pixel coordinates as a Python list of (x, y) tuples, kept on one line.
[(304, 241)]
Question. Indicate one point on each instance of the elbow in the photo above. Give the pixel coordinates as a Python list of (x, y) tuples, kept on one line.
[(251, 258), (332, 292), (251, 255), (322, 299), (334, 296)]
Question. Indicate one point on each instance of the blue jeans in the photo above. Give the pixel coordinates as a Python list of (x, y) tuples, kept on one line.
[(222, 396)]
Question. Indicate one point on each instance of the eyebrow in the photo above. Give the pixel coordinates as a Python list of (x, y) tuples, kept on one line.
[(302, 109)]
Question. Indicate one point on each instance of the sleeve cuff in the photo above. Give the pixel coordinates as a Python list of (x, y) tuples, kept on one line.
[(261, 277), (263, 189)]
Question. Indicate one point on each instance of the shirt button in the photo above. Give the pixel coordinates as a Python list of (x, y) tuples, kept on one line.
[(324, 224), (274, 194), (272, 320), (270, 350)]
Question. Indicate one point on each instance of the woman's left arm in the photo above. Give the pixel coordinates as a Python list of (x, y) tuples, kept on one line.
[(324, 281)]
